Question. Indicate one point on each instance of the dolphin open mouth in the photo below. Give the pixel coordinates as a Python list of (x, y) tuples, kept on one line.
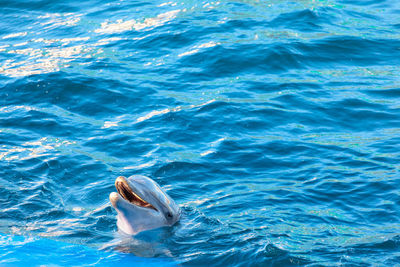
[(126, 192)]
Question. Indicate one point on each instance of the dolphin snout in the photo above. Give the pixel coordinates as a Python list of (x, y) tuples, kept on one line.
[(114, 199), (120, 179)]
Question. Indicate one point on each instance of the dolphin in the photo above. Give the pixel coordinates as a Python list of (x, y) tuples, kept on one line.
[(142, 205)]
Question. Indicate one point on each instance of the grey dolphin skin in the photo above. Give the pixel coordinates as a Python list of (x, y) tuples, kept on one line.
[(142, 205)]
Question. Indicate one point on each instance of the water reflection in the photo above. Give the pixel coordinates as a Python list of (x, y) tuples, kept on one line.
[(128, 25), (33, 149), (40, 55)]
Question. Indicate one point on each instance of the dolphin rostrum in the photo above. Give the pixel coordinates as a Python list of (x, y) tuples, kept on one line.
[(142, 205)]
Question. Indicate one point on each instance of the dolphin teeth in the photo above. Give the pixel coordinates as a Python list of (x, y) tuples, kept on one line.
[(127, 193)]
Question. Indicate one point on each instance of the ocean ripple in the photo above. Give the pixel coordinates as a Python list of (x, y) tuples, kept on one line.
[(273, 124)]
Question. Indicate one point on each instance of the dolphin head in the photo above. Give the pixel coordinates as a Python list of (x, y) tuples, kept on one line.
[(142, 205)]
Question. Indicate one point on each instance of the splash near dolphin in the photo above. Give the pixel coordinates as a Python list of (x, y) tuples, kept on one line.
[(142, 205)]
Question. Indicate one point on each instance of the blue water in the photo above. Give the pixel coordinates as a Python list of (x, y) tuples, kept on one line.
[(275, 125), (33, 251)]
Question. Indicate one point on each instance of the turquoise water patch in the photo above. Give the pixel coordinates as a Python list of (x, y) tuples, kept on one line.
[(33, 251)]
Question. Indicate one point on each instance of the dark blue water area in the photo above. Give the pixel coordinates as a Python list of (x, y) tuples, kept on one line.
[(275, 125)]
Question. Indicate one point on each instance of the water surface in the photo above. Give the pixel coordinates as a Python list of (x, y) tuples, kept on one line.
[(275, 125)]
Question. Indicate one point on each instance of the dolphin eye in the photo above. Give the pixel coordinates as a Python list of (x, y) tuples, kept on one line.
[(168, 214)]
